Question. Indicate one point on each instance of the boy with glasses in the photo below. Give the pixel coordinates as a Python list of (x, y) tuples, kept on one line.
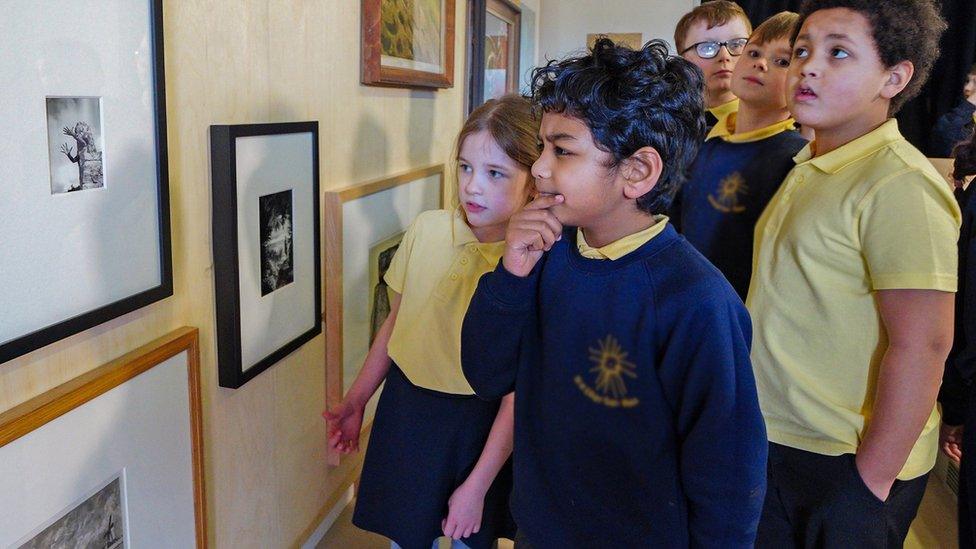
[(744, 158), (713, 36)]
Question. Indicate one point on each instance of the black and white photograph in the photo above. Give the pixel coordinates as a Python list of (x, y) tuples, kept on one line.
[(95, 522), (277, 262), (380, 257), (264, 183), (75, 144)]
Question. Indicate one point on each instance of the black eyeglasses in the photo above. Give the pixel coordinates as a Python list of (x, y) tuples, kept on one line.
[(708, 50)]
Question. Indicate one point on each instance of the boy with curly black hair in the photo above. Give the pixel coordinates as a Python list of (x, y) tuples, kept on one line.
[(852, 286), (637, 421)]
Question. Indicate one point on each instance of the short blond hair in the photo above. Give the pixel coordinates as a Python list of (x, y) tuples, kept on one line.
[(715, 13), (778, 27)]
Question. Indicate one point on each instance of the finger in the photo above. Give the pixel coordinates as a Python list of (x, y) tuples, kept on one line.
[(543, 216), (537, 232), (444, 525), (477, 528), (544, 200), (467, 532)]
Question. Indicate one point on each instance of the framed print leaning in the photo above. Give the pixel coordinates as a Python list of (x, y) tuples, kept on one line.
[(267, 274), (363, 227), (408, 43), (84, 196), (112, 458)]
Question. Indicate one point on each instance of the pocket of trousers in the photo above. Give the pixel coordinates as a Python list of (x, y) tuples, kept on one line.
[(862, 488)]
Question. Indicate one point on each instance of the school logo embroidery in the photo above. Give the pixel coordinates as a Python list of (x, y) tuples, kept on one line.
[(729, 190), (612, 369)]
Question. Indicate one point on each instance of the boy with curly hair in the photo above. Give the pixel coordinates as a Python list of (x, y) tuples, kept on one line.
[(636, 417), (852, 286)]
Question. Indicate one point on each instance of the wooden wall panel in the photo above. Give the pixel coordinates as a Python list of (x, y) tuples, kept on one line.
[(236, 61)]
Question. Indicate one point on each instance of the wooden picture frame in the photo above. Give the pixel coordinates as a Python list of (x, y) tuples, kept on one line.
[(66, 252), (359, 218), (255, 167), (383, 65), (510, 14), (85, 395)]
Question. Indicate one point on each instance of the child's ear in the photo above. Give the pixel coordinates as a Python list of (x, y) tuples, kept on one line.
[(898, 77), (641, 172)]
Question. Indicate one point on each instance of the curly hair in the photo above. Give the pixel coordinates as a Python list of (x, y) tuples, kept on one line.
[(965, 159), (903, 30), (631, 99)]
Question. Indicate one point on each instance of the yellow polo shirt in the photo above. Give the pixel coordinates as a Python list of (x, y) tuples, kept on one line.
[(436, 271), (726, 130), (619, 248), (725, 109), (872, 215)]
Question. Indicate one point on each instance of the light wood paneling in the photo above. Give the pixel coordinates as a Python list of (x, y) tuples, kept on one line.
[(236, 61)]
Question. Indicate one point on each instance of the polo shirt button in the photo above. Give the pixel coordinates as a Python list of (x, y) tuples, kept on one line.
[(454, 276), (464, 261), (471, 248)]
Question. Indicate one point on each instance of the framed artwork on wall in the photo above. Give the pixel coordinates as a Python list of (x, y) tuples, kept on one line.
[(84, 195), (633, 40), (267, 270), (363, 227), (112, 458), (408, 43), (494, 53)]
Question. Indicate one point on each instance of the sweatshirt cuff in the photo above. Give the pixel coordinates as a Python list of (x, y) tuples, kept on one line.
[(511, 292)]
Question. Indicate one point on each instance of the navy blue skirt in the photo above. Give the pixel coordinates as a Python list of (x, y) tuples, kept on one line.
[(422, 446)]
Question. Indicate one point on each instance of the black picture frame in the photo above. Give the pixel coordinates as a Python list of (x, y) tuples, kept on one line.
[(57, 331), (227, 277)]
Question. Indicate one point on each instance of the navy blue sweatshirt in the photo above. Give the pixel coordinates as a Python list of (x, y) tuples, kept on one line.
[(961, 363), (727, 190), (951, 128), (636, 417)]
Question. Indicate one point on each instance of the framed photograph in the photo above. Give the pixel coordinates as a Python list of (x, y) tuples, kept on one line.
[(408, 43), (84, 196), (112, 458), (267, 271), (495, 55), (380, 256), (364, 224), (632, 40), (96, 521)]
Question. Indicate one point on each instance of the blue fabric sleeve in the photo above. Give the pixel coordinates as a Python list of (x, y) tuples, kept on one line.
[(493, 330), (708, 379)]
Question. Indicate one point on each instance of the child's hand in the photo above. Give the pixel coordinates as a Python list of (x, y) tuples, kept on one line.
[(345, 421), (950, 441), (531, 232), (464, 512)]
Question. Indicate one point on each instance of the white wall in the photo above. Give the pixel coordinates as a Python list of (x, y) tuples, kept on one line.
[(564, 24)]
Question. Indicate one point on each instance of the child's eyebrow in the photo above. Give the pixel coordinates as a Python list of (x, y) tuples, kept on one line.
[(558, 136), (837, 36), (497, 167)]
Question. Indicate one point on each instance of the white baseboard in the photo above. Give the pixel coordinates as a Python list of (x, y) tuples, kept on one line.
[(330, 518)]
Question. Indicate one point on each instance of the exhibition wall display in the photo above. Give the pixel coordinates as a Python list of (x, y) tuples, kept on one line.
[(84, 199)]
